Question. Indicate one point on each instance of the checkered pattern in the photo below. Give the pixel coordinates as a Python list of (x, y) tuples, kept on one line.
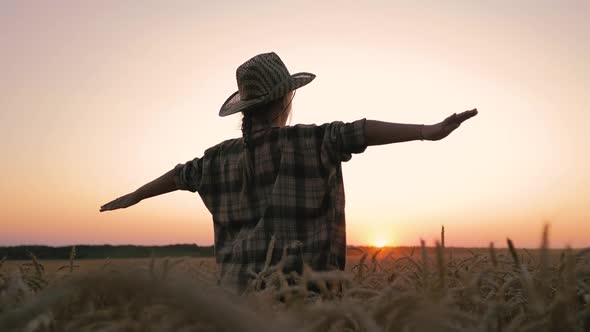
[(297, 195)]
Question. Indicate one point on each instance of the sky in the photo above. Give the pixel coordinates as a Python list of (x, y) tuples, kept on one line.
[(99, 98)]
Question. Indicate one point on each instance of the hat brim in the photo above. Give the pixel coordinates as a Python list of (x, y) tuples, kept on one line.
[(235, 104)]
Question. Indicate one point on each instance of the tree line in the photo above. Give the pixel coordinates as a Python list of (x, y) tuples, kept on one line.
[(105, 251)]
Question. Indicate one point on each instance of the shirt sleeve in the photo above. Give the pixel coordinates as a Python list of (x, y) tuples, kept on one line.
[(187, 176), (342, 139)]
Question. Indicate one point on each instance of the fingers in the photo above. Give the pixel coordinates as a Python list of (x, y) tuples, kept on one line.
[(466, 115), (112, 205), (106, 207), (460, 118), (120, 203)]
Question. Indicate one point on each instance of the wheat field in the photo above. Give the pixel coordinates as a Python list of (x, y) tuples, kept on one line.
[(411, 289)]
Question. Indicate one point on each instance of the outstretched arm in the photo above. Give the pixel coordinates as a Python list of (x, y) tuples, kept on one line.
[(379, 132), (163, 184)]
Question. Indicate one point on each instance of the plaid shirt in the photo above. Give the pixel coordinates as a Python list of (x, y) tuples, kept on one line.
[(297, 195)]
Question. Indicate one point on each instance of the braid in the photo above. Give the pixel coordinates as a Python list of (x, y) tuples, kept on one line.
[(246, 161), (246, 128), (264, 115)]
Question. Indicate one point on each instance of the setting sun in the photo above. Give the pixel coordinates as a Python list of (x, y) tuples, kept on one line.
[(380, 243)]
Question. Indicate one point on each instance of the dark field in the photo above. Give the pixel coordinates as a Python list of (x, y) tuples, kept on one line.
[(391, 289)]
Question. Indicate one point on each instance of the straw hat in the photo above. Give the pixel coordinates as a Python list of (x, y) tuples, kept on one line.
[(262, 79)]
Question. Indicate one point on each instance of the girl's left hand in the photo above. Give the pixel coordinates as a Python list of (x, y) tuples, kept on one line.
[(121, 202)]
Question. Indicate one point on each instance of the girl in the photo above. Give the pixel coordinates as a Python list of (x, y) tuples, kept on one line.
[(278, 182)]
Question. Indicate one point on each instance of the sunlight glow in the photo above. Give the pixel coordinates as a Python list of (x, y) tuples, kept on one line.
[(380, 243)]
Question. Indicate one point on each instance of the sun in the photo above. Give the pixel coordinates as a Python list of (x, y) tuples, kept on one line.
[(380, 243)]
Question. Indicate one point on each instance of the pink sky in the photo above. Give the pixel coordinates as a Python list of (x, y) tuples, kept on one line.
[(99, 98)]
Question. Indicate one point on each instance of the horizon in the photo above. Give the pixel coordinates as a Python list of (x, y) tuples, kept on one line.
[(433, 244), (99, 99), (348, 246)]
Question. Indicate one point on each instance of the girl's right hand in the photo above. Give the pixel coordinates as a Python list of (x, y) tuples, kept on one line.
[(443, 129)]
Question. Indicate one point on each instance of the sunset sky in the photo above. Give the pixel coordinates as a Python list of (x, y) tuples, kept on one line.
[(98, 98)]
